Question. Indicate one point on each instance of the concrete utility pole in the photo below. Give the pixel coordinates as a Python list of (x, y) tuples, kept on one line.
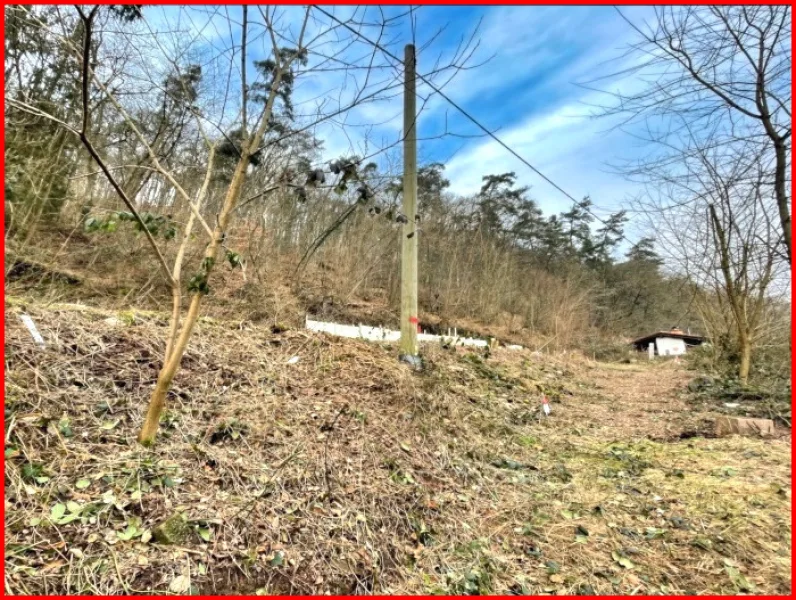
[(409, 320)]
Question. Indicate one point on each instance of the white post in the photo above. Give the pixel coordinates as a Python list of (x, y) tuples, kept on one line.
[(651, 350)]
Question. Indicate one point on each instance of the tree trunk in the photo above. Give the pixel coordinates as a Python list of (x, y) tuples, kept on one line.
[(780, 189), (158, 399), (746, 359)]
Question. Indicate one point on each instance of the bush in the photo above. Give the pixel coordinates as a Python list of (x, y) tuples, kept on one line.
[(703, 359), (767, 394), (607, 349)]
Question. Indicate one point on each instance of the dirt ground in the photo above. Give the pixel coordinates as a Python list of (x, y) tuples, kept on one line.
[(344, 472)]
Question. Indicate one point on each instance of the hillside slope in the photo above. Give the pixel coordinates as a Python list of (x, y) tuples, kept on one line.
[(345, 472)]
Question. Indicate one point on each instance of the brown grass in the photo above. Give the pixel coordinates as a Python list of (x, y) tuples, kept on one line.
[(347, 473), (351, 279)]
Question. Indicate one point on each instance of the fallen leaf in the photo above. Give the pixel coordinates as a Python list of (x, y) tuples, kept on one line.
[(703, 543), (552, 567), (57, 511), (738, 579), (53, 566), (622, 560), (180, 584), (68, 518), (126, 535)]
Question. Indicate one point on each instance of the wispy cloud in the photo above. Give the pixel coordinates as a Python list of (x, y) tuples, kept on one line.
[(526, 91)]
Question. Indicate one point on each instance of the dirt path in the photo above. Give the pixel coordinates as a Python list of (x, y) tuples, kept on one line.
[(639, 453), (639, 401)]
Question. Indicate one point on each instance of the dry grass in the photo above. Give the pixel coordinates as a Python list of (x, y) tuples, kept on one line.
[(63, 264), (346, 473)]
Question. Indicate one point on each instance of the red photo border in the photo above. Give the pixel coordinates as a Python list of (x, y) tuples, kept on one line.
[(394, 2)]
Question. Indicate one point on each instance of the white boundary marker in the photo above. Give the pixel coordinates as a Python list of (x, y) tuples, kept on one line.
[(34, 333)]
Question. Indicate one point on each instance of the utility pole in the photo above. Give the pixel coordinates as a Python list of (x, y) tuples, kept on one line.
[(409, 320)]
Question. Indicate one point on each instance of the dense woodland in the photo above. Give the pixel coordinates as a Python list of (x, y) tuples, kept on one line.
[(123, 156)]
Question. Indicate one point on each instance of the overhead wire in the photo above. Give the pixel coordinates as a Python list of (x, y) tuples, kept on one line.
[(475, 121)]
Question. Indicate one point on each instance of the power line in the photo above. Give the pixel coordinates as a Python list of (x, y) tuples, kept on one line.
[(470, 118), (484, 129)]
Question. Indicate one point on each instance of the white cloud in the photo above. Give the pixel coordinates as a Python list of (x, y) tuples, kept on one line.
[(556, 135), (527, 89), (564, 144), (528, 42)]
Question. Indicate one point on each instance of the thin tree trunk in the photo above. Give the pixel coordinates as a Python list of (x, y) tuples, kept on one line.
[(783, 204), (158, 400), (176, 285), (746, 359)]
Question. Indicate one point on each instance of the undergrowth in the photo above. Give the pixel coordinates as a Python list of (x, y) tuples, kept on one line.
[(345, 472)]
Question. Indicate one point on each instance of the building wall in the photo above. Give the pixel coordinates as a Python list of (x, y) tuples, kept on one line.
[(667, 346)]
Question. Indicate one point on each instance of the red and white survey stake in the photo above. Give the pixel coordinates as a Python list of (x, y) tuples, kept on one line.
[(545, 405)]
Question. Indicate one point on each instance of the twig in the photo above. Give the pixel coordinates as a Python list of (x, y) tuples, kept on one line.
[(118, 570), (342, 410), (87, 25), (266, 491)]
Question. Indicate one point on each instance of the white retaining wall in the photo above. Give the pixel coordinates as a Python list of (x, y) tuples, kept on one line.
[(380, 334)]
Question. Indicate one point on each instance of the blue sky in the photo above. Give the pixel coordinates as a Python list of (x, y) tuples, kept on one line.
[(527, 92)]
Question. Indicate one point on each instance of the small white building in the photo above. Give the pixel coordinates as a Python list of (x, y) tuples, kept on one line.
[(667, 343)]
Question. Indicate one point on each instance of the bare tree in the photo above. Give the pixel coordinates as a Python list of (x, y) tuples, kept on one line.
[(250, 139), (716, 221), (722, 71)]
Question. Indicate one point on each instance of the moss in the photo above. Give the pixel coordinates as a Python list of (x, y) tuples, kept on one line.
[(174, 530), (526, 440), (127, 317)]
